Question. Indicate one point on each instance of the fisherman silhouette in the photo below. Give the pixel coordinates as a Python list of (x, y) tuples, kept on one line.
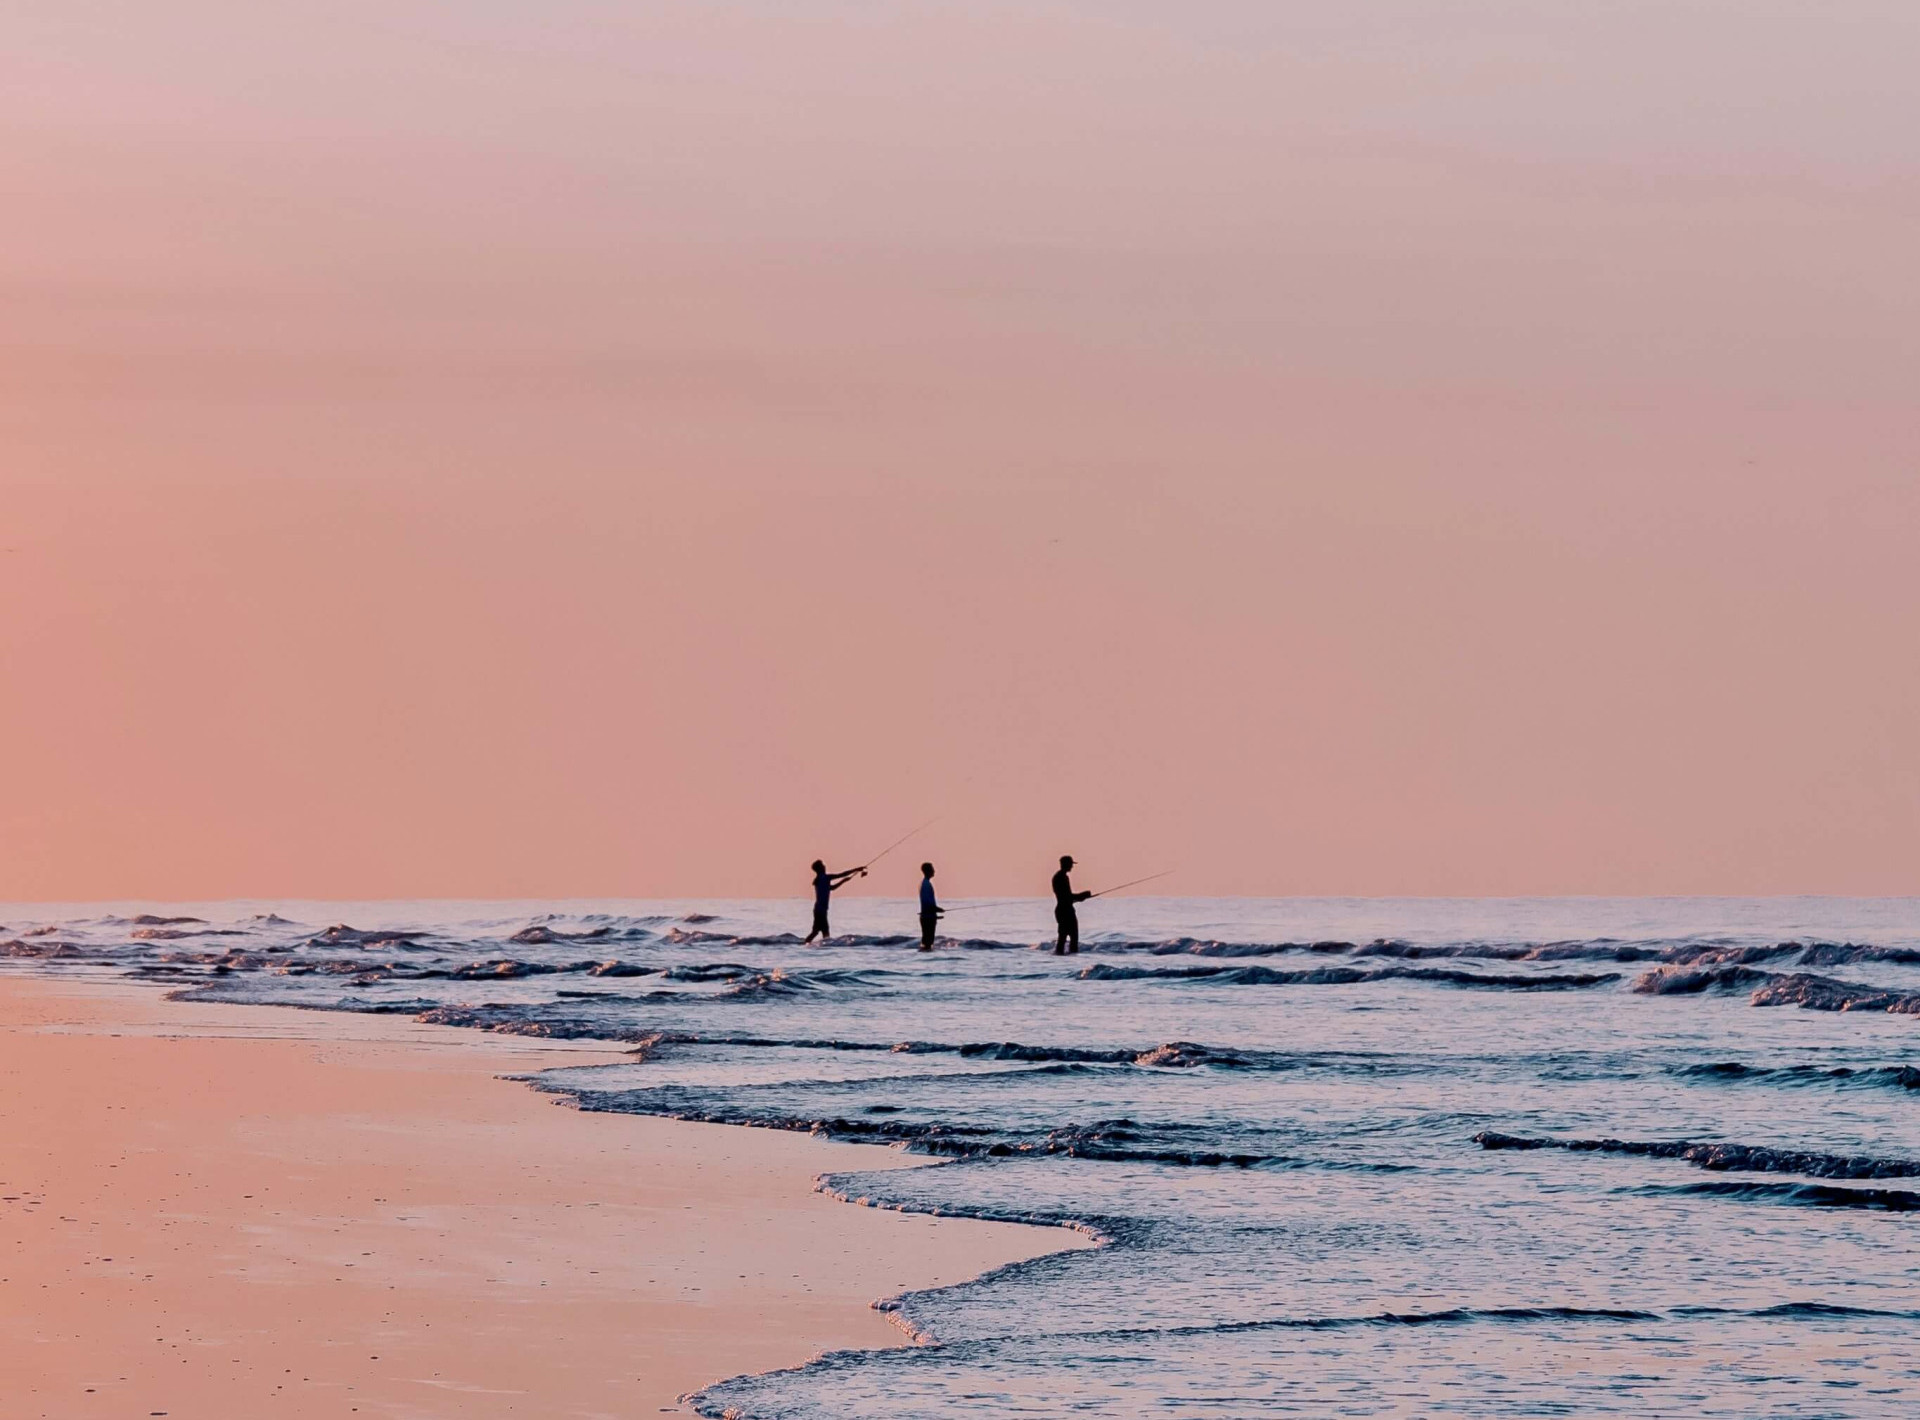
[(1064, 898), (823, 885), (930, 911)]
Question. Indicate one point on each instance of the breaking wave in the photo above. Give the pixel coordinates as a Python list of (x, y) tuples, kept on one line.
[(1805, 1195), (1880, 1077), (1719, 1157), (1348, 975), (1772, 988)]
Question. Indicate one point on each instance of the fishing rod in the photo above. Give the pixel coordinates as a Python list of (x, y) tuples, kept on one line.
[(1135, 883), (1040, 901), (898, 841)]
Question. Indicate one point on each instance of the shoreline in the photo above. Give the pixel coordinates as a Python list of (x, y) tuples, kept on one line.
[(231, 1209)]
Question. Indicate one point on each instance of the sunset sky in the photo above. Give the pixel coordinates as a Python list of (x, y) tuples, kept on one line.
[(498, 449)]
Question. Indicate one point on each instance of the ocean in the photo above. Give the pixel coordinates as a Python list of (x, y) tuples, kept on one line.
[(1481, 1158)]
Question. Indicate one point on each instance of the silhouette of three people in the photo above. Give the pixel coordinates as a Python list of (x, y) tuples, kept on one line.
[(1065, 904)]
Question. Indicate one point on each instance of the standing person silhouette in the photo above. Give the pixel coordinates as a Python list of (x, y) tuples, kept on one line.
[(823, 885), (930, 910), (1064, 898)]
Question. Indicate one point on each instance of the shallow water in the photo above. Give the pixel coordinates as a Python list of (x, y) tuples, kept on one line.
[(1320, 1137)]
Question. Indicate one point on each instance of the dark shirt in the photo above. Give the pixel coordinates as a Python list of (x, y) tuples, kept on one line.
[(1062, 892), (927, 905), (822, 890)]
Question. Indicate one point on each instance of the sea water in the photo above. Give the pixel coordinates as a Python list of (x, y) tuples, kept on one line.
[(1347, 1158)]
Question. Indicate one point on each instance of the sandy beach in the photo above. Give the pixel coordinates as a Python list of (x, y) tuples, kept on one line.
[(216, 1210)]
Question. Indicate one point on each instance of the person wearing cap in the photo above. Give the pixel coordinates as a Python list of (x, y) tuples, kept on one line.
[(823, 885), (930, 910), (1064, 900)]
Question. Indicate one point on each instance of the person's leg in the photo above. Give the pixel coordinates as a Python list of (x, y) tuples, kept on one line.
[(819, 928), (927, 921), (1060, 939), (1073, 933)]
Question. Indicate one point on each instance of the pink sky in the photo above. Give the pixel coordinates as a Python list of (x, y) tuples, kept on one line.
[(604, 449)]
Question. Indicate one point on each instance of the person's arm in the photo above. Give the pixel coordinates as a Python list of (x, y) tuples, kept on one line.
[(841, 879), (1081, 896)]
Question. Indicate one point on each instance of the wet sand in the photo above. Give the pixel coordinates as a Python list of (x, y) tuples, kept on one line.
[(234, 1211)]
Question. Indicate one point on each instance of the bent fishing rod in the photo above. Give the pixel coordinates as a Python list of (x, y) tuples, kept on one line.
[(897, 842), (1023, 901), (1150, 877)]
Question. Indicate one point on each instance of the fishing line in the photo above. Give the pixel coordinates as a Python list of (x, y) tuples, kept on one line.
[(982, 906), (1041, 901), (1136, 882)]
